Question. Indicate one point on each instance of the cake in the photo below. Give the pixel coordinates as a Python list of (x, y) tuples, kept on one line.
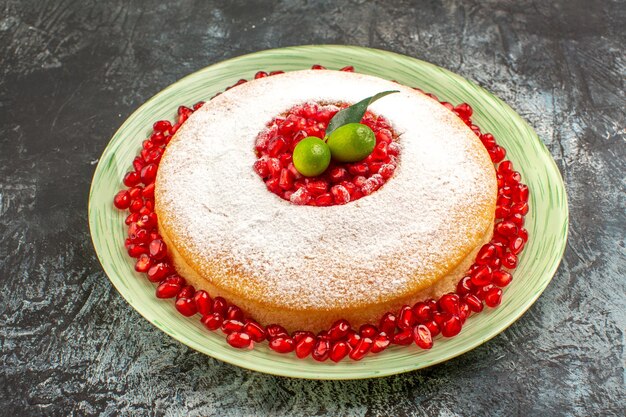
[(305, 266)]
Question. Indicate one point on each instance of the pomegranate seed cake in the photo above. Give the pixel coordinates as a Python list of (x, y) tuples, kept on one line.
[(359, 240)]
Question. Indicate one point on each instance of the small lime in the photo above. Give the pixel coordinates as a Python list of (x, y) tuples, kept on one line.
[(351, 142), (311, 156)]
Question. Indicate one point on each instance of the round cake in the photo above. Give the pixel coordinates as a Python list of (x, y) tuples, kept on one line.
[(304, 266)]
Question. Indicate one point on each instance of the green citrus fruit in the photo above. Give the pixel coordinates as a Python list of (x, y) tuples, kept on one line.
[(351, 142), (311, 156)]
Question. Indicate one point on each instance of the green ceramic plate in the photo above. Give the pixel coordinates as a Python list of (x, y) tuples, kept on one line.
[(547, 220)]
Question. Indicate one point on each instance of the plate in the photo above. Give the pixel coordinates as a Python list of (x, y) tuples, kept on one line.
[(546, 221)]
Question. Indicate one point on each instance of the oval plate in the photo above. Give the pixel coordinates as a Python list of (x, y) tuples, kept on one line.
[(546, 222)]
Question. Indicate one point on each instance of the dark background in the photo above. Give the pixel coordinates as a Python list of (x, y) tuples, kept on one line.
[(72, 71)]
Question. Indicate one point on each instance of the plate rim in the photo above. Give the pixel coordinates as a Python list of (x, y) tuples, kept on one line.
[(363, 374)]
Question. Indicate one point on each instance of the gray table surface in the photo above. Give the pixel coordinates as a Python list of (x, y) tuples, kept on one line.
[(72, 72)]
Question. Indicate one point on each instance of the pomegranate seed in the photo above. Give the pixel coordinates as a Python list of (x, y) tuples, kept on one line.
[(449, 303), (135, 205), (122, 200), (135, 192), (239, 340), (230, 326), (340, 194), (305, 346), (298, 335), (388, 323), (423, 312), (523, 233), (493, 297), (186, 292), (321, 350), (282, 344), (464, 111), (406, 318), (260, 74), (368, 330), (505, 166), (501, 278), (512, 178), (520, 208), (168, 289), (157, 272), (277, 72), (353, 338), (158, 249), (219, 306), (474, 303), (464, 311), (255, 330), (339, 330), (318, 67), (234, 313), (148, 173), (485, 254), (520, 194), (516, 245), (276, 330), (132, 178), (361, 349), (405, 337), (162, 126), (148, 191), (349, 68), (337, 174), (380, 343), (451, 327), (481, 276), (338, 351), (203, 301), (186, 307), (506, 228), (132, 218), (260, 166), (464, 286), (422, 337), (497, 154), (212, 321), (433, 327), (324, 200), (135, 251), (143, 263), (509, 261), (387, 170)]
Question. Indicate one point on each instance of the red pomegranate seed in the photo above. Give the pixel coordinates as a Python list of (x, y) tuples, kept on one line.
[(464, 111), (230, 326), (143, 263), (497, 154), (506, 228), (186, 307), (317, 188), (368, 330), (131, 178), (380, 343), (203, 301), (276, 330), (318, 67), (520, 208), (388, 323), (474, 303), (339, 330), (509, 261), (260, 166), (338, 351), (464, 286), (135, 205), (340, 194), (276, 146), (501, 278), (353, 338), (212, 321), (433, 327), (298, 335), (186, 292), (493, 297), (162, 126), (451, 326), (321, 350), (324, 200), (148, 173), (349, 68), (148, 191), (234, 313), (277, 72), (512, 178), (305, 346), (135, 251), (481, 276), (516, 245), (158, 249), (464, 311), (387, 170), (406, 318), (422, 337), (485, 254), (122, 200), (480, 292), (520, 193), (423, 312), (239, 340), (449, 303), (168, 289), (361, 349), (337, 174), (405, 337), (282, 344), (255, 330), (523, 233), (135, 192), (157, 272), (260, 74), (219, 306)]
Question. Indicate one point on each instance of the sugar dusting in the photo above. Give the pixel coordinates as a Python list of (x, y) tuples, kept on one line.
[(245, 238)]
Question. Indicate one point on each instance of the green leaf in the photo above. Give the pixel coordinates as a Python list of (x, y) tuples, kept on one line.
[(354, 113)]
